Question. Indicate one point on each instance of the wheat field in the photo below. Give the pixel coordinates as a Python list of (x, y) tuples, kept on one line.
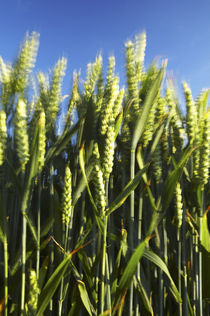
[(107, 214)]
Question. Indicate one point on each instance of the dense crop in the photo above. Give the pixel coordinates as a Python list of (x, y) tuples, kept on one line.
[(109, 216)]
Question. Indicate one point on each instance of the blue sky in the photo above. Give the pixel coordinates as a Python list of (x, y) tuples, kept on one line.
[(79, 29)]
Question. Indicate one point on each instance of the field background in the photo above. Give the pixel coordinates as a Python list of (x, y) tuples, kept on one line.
[(104, 158), (109, 212)]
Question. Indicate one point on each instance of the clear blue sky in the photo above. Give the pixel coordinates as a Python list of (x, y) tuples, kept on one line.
[(79, 29)]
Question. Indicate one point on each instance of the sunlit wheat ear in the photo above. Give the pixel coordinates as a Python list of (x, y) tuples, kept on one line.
[(98, 98), (110, 93), (4, 72), (41, 141), (147, 79), (191, 113), (67, 197), (108, 151), (118, 102), (160, 109), (21, 136), (149, 128), (205, 152), (30, 108), (110, 76), (43, 81), (126, 130), (107, 108), (3, 136), (55, 90), (178, 206), (125, 139), (6, 83), (92, 76), (25, 61), (35, 118), (196, 153), (33, 293), (199, 128), (132, 80), (157, 164), (201, 103), (100, 87), (160, 113), (75, 97), (100, 197), (140, 47), (44, 87), (177, 136), (176, 128)]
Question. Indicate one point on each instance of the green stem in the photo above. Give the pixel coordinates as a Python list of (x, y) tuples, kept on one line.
[(24, 235), (131, 223), (76, 162), (200, 264), (160, 274), (103, 266), (161, 292), (165, 255), (5, 275), (179, 266), (67, 250), (61, 298), (111, 254), (38, 228), (97, 271), (104, 253), (195, 273), (66, 230), (24, 232), (184, 267), (131, 226), (5, 242), (109, 264), (139, 239), (51, 231), (109, 303)]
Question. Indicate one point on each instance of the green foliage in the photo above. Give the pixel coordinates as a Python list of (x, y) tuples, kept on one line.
[(98, 200)]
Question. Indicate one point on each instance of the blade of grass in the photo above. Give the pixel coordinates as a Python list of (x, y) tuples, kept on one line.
[(55, 279), (120, 199), (174, 177), (130, 270), (153, 257), (205, 234), (51, 286), (141, 164), (61, 143), (32, 226), (82, 166), (118, 123), (169, 190), (146, 301), (85, 298), (143, 117)]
